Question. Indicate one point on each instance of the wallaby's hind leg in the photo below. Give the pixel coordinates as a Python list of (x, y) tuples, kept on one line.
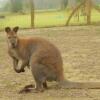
[(30, 86), (39, 76), (45, 85), (27, 88), (39, 86)]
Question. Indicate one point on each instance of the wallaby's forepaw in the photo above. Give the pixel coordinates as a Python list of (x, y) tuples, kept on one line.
[(19, 71), (22, 70)]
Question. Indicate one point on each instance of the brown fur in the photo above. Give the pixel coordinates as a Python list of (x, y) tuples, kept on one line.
[(44, 59)]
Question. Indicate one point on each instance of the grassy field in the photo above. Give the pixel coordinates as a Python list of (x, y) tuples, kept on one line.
[(80, 49), (45, 19)]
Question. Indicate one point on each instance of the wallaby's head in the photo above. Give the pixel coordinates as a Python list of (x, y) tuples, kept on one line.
[(12, 36)]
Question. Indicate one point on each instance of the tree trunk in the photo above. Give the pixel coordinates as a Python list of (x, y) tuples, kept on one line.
[(32, 13)]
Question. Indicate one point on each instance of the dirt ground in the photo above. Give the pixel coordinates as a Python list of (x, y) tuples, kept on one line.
[(80, 48)]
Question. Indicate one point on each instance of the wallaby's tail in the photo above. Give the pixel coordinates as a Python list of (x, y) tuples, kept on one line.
[(79, 85)]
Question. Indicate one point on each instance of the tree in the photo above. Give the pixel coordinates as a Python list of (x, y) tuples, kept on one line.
[(88, 6)]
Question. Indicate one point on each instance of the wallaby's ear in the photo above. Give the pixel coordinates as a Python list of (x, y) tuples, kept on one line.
[(7, 29), (15, 29)]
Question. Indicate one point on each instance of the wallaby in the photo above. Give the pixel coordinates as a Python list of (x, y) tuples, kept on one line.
[(43, 58)]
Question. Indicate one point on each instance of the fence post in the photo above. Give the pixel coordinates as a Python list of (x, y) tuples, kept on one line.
[(32, 13)]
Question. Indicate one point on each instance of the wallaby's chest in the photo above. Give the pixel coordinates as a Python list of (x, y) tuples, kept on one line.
[(14, 53)]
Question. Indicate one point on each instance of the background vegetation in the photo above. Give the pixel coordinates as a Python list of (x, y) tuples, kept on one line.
[(46, 13)]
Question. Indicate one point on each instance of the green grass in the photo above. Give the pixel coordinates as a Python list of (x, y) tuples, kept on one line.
[(45, 19), (14, 20)]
